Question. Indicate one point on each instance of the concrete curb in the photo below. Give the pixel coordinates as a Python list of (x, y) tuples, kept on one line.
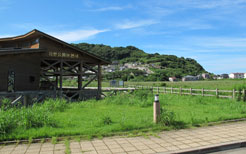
[(214, 148)]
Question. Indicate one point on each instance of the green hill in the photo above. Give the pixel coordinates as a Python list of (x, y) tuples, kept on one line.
[(165, 65)]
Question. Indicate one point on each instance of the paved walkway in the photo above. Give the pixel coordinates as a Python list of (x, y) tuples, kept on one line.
[(167, 142)]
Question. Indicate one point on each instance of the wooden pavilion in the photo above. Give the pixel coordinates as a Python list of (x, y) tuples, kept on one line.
[(37, 62)]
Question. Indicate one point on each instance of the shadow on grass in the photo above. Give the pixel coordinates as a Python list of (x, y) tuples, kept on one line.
[(179, 125)]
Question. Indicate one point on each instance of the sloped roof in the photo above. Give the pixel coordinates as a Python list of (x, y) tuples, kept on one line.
[(36, 32)]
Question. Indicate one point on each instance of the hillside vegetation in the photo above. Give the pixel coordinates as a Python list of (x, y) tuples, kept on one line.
[(168, 65)]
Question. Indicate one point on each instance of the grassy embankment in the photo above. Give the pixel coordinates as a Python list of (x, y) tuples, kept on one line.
[(128, 113)]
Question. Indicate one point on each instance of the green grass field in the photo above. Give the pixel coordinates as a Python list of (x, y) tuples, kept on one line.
[(227, 84), (127, 113)]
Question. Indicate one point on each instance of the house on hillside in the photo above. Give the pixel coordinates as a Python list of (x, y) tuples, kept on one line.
[(215, 77), (190, 78), (172, 79), (224, 76), (205, 76), (236, 75), (38, 63)]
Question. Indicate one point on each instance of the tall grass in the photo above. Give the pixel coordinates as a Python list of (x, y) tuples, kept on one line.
[(36, 116)]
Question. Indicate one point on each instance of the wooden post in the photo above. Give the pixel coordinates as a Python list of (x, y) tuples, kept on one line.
[(244, 95), (61, 74), (217, 92), (190, 91), (233, 94), (171, 90), (180, 90), (80, 76), (202, 91), (26, 100), (56, 82), (99, 81), (156, 109)]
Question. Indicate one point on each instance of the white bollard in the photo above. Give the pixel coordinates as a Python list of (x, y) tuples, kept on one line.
[(156, 109)]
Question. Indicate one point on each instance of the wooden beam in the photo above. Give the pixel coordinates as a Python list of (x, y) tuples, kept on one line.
[(80, 75), (89, 82), (71, 67), (88, 67), (50, 65), (99, 82), (61, 74)]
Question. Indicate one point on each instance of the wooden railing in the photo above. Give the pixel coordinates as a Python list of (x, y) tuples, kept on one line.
[(190, 91)]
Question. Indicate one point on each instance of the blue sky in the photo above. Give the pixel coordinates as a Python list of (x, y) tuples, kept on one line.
[(211, 31)]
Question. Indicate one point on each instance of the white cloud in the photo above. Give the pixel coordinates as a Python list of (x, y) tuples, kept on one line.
[(77, 35), (134, 24)]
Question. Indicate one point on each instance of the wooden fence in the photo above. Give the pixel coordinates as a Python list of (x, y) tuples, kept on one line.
[(190, 91)]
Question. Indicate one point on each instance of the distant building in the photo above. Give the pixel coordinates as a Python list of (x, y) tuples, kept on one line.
[(215, 77), (172, 79), (205, 76), (236, 75), (190, 78), (199, 77), (224, 76)]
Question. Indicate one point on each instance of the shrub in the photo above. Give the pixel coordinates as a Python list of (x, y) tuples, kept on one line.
[(163, 84), (8, 121), (35, 117), (25, 118), (5, 104), (106, 120), (167, 118)]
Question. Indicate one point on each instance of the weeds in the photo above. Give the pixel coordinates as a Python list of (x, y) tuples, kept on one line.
[(106, 120), (54, 140), (30, 140), (67, 144), (167, 118)]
